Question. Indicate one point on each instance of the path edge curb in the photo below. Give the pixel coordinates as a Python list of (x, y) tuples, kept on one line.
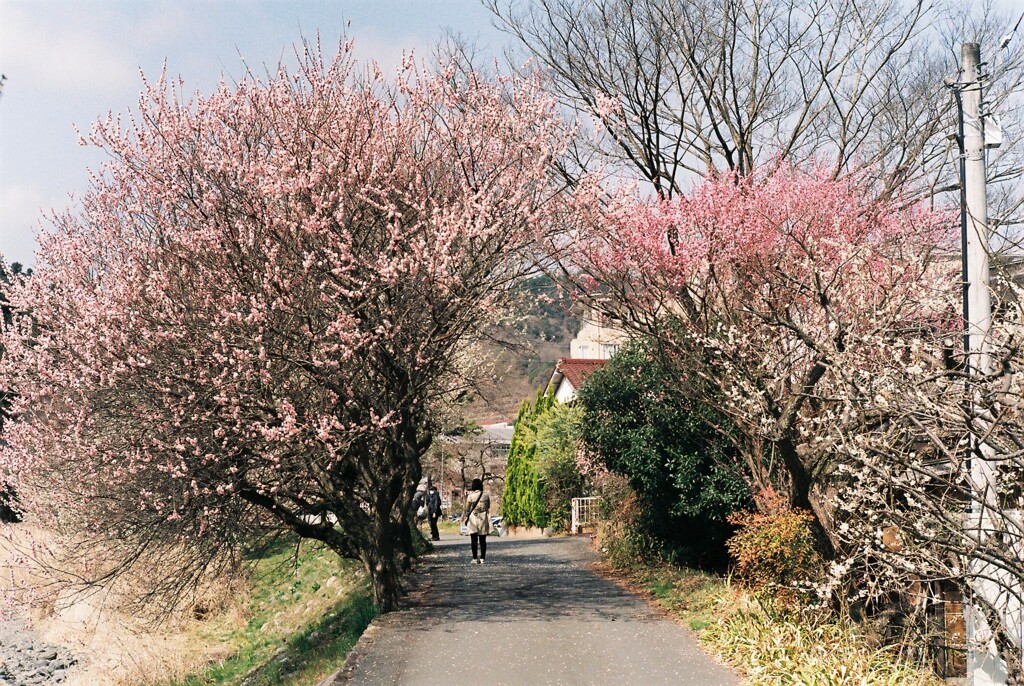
[(344, 675)]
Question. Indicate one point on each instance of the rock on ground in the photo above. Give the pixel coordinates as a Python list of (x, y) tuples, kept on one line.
[(26, 660)]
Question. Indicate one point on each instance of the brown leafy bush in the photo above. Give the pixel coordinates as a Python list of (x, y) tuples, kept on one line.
[(774, 550), (621, 536)]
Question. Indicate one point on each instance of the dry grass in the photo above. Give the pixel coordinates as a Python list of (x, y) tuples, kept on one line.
[(299, 602), (782, 649), (113, 646), (770, 648)]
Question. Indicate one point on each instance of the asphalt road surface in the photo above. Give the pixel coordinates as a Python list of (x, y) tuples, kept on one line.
[(533, 614)]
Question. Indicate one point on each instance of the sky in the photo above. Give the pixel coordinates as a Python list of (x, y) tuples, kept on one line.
[(70, 62)]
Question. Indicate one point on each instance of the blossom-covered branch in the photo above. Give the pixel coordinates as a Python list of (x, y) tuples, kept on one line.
[(266, 292)]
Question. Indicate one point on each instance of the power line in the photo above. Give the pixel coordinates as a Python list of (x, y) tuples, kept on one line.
[(1006, 39)]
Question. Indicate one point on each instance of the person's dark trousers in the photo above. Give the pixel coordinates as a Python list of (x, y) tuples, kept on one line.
[(434, 534), (473, 538)]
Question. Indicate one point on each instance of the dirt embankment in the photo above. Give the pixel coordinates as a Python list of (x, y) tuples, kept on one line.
[(51, 633)]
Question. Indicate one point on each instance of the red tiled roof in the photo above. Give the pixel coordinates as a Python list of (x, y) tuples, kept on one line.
[(576, 370)]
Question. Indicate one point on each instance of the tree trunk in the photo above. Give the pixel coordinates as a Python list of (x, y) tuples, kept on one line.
[(382, 564), (800, 478), (408, 551), (803, 496)]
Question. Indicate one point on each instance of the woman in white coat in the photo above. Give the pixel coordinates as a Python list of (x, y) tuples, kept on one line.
[(477, 518)]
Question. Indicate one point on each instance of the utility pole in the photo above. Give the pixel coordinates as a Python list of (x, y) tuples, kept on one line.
[(978, 309), (984, 666)]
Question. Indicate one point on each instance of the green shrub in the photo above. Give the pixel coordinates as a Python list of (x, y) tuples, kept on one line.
[(623, 538), (642, 422), (524, 502), (555, 462)]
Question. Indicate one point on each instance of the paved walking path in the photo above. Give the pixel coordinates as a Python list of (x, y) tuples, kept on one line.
[(534, 614)]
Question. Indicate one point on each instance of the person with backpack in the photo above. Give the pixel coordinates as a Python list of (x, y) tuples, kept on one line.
[(433, 511), (419, 504), (477, 518)]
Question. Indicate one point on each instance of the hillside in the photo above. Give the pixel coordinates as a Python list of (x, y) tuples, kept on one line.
[(524, 353)]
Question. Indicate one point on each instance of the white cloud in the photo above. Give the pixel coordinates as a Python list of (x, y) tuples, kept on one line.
[(66, 57)]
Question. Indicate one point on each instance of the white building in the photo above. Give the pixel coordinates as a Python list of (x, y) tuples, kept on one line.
[(596, 340), (570, 375), (593, 346)]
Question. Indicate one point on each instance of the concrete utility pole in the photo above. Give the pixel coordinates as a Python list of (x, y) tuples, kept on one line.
[(984, 667), (978, 309)]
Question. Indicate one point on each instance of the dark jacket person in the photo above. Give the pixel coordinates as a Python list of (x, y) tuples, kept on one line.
[(433, 511)]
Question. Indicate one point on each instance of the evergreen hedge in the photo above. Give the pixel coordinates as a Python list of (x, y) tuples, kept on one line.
[(524, 502)]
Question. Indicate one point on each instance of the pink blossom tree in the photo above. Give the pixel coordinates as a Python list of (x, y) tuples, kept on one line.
[(769, 288), (827, 326), (267, 291)]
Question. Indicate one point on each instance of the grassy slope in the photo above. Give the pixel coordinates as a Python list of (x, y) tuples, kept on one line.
[(302, 615), (770, 648)]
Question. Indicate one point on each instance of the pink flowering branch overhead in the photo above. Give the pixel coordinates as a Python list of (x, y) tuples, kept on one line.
[(826, 326), (266, 291), (764, 287)]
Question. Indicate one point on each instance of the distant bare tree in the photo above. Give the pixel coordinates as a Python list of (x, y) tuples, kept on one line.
[(684, 89), (454, 461)]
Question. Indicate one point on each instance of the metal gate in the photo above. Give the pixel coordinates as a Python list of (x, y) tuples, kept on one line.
[(584, 512)]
